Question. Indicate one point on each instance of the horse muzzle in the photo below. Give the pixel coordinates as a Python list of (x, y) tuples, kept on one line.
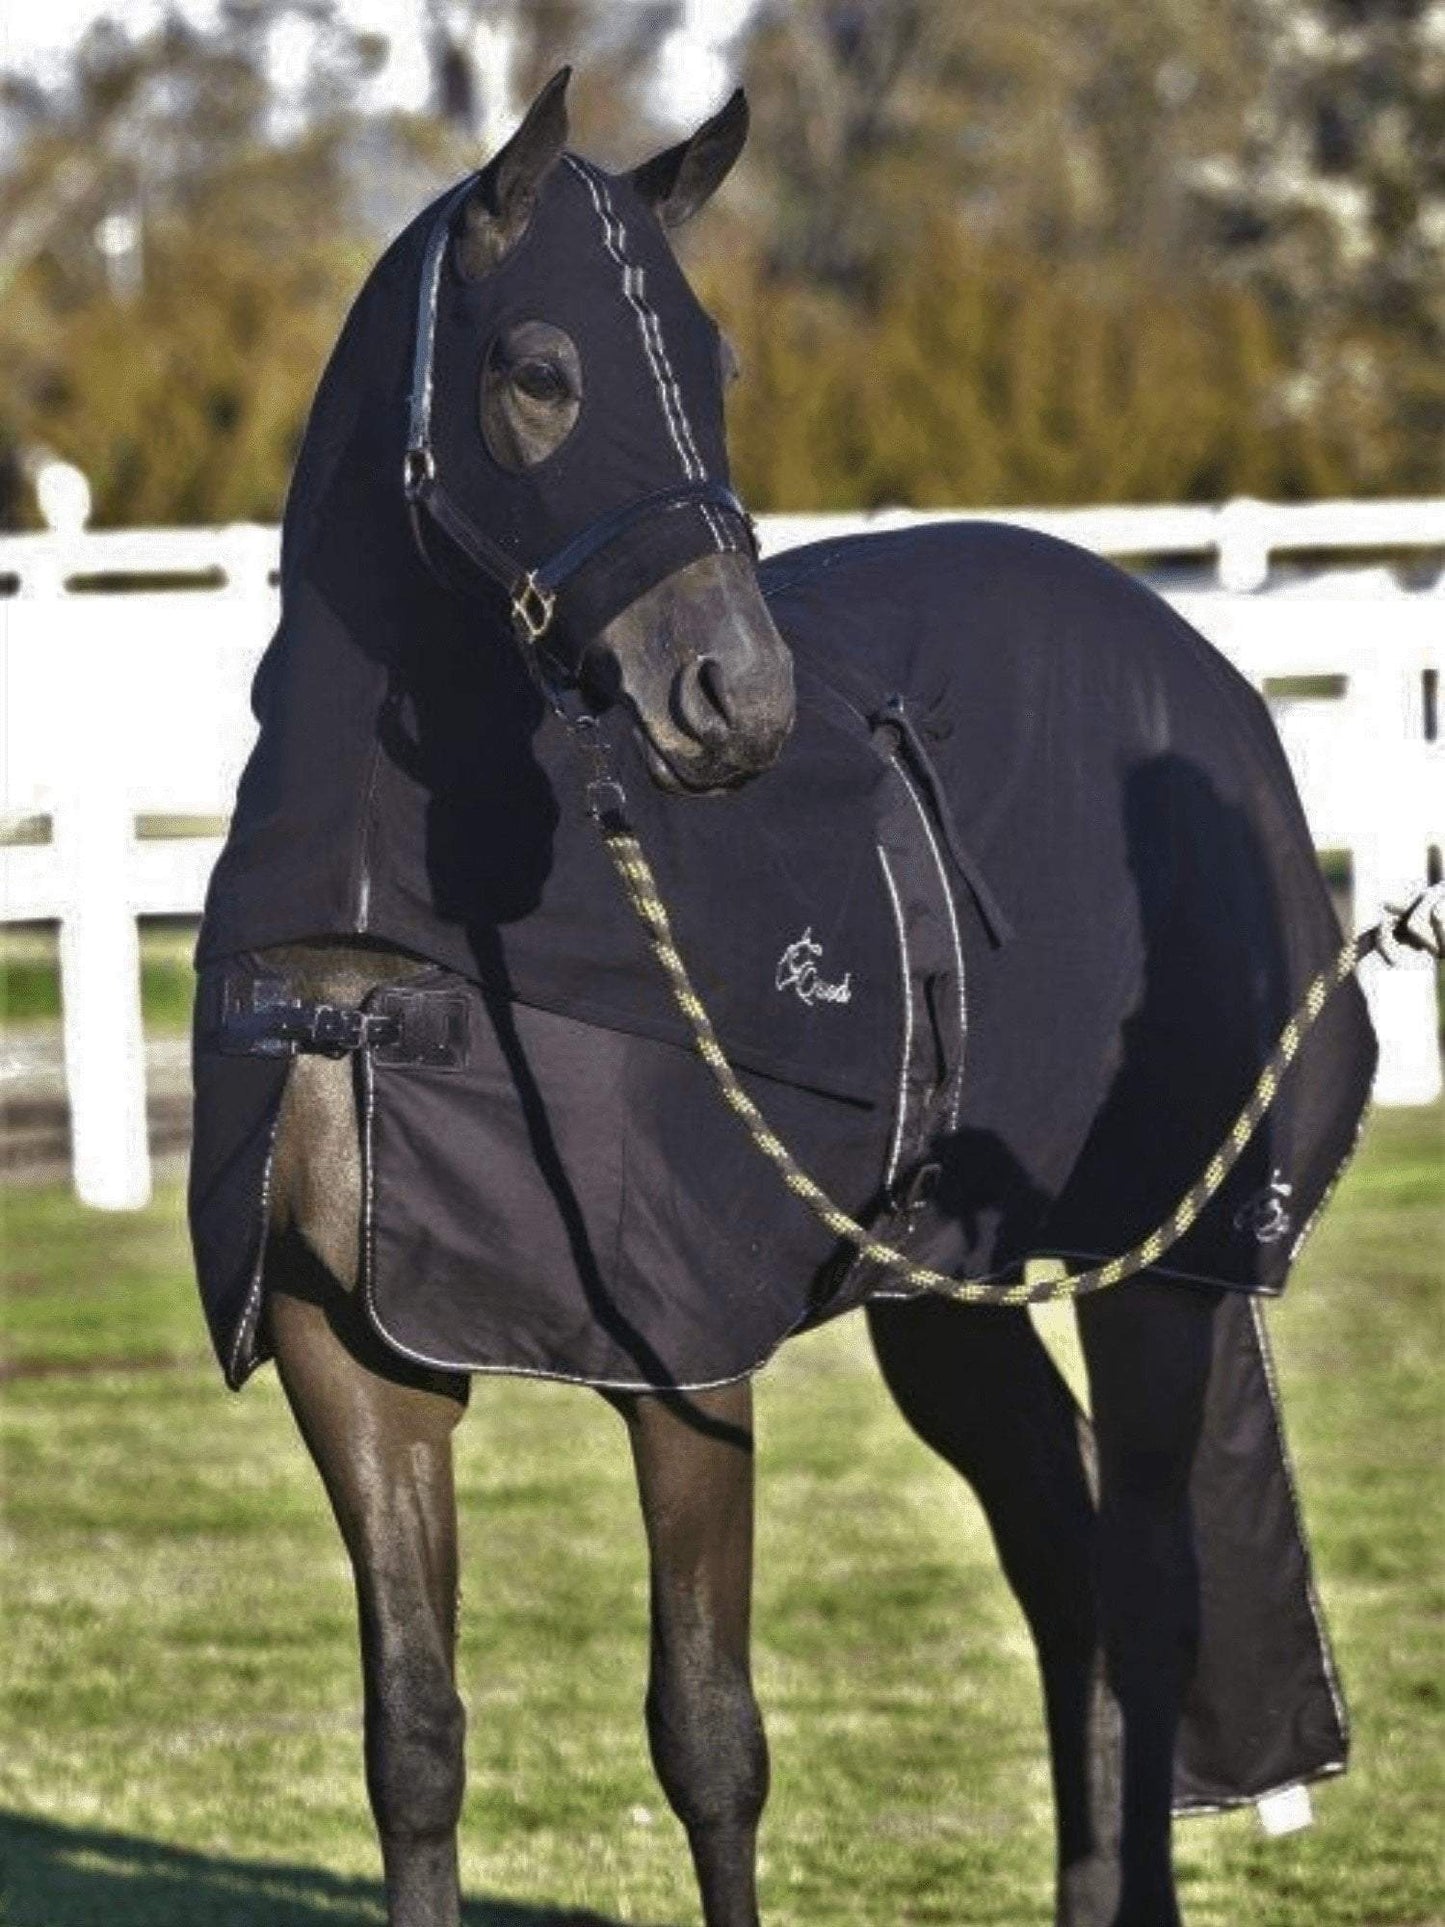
[(705, 675)]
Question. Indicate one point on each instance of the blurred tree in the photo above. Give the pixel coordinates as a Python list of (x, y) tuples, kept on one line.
[(1067, 128), (983, 377), (142, 127), (183, 223), (176, 268), (490, 57), (973, 255), (1333, 206), (1086, 134)]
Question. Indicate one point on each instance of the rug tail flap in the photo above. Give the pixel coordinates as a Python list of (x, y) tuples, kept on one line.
[(1265, 1708)]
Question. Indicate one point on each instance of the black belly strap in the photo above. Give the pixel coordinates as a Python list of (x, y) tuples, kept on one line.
[(257, 1015)]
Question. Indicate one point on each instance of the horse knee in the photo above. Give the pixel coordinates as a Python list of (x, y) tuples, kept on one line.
[(415, 1767), (707, 1740)]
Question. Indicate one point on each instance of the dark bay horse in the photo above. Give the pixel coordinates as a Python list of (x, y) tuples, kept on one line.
[(526, 408)]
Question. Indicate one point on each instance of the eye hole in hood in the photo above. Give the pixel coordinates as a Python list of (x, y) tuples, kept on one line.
[(531, 394)]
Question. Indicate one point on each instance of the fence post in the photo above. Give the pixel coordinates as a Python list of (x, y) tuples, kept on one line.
[(100, 990), (1243, 538), (248, 554), (42, 574)]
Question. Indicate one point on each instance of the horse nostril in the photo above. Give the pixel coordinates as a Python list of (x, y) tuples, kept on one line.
[(713, 684), (700, 700)]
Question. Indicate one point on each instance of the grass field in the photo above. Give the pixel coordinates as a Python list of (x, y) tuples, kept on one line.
[(180, 1743)]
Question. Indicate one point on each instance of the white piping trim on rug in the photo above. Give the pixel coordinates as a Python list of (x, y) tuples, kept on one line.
[(246, 1324), (900, 1121), (1327, 1658), (1190, 1809), (913, 798)]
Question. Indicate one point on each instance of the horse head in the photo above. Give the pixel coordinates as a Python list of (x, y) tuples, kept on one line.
[(566, 438)]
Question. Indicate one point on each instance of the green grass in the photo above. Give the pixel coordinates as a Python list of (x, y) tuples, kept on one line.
[(180, 1742)]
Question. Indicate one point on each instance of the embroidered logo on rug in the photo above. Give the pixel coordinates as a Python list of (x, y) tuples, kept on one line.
[(1266, 1215), (798, 970)]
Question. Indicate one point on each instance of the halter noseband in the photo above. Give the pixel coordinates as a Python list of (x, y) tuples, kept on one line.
[(532, 593)]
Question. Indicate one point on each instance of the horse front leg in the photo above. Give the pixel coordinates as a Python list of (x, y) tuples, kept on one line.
[(380, 1433), (693, 1454), (383, 1449)]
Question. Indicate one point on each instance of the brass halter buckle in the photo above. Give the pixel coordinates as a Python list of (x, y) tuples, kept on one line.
[(532, 609)]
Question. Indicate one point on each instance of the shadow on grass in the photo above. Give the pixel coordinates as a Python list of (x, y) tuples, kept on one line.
[(57, 1876)]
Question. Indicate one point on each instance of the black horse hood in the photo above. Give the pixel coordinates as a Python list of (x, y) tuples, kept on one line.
[(651, 402), (644, 342), (650, 414)]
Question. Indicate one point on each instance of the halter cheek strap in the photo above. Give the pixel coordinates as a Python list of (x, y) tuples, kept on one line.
[(532, 593)]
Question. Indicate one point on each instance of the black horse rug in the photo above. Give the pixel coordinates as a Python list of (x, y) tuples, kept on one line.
[(1000, 945)]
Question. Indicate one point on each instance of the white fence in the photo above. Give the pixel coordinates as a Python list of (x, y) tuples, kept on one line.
[(120, 708)]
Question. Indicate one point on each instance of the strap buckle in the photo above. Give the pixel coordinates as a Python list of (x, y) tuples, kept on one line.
[(333, 1030), (260, 1016), (532, 608)]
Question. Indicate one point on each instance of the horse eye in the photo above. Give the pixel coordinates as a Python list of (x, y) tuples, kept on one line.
[(541, 381)]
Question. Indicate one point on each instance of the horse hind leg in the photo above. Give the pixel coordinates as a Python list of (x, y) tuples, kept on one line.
[(1148, 1346), (693, 1457), (978, 1386), (380, 1433)]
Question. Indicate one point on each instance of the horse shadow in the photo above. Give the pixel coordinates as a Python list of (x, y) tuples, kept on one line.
[(53, 1875), (1214, 992)]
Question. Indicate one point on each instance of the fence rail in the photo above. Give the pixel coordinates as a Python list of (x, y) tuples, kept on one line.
[(124, 707)]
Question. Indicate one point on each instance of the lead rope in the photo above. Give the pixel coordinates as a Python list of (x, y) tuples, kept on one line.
[(605, 801)]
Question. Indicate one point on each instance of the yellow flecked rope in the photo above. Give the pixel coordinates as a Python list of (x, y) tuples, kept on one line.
[(637, 878)]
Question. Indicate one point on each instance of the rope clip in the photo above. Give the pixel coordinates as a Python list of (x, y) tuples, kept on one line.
[(606, 801), (605, 798)]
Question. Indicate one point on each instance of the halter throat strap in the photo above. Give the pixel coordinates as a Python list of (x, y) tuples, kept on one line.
[(532, 593)]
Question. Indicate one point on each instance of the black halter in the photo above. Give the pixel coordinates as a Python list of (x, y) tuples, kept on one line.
[(532, 593)]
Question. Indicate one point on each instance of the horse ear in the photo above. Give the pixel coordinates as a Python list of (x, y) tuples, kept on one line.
[(495, 214), (681, 179)]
